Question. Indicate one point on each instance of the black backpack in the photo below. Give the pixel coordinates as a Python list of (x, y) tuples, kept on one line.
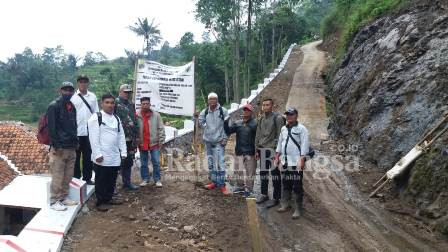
[(100, 120), (221, 113)]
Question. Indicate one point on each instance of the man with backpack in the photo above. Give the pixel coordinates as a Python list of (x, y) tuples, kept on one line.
[(62, 129), (86, 104), (211, 119), (268, 129), (125, 110), (292, 148), (108, 143)]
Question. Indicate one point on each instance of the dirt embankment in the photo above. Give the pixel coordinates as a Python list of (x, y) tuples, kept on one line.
[(391, 88)]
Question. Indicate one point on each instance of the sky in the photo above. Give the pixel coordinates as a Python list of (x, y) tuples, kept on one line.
[(90, 25)]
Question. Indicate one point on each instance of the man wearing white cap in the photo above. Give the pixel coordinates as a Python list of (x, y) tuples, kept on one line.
[(211, 119)]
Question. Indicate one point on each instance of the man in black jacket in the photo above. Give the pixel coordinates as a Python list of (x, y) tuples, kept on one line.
[(245, 130), (61, 115)]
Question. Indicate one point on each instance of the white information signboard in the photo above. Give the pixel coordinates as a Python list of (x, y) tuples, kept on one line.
[(170, 88)]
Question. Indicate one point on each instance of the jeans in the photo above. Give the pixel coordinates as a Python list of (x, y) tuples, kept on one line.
[(155, 160), (216, 163)]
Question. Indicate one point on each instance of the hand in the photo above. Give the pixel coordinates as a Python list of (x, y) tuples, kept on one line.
[(100, 159), (224, 142), (277, 157), (57, 152), (301, 163)]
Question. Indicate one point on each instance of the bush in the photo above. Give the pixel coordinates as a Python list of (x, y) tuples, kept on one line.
[(348, 16)]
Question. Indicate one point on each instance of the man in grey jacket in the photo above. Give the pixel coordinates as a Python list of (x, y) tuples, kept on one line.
[(211, 119)]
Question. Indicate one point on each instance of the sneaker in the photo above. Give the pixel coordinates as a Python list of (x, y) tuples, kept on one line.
[(90, 182), (115, 201), (144, 183), (117, 197), (210, 186), (131, 187), (58, 206), (224, 191), (247, 194), (102, 208), (262, 199), (158, 184), (238, 189), (69, 202), (272, 203)]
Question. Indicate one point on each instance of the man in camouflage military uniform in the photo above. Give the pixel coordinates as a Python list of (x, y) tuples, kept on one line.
[(125, 110)]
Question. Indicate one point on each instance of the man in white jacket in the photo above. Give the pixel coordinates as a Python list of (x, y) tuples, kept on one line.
[(292, 149), (108, 149)]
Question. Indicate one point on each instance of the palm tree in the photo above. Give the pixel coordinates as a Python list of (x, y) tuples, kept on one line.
[(149, 32)]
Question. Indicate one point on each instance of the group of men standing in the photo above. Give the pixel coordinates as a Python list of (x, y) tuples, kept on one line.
[(106, 141), (281, 148), (103, 141)]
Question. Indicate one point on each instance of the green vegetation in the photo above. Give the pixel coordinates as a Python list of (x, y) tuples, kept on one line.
[(348, 16), (244, 41)]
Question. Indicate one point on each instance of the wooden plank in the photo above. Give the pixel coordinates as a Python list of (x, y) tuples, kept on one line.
[(254, 225)]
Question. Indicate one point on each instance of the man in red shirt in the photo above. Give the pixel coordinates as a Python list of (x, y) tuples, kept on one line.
[(152, 137)]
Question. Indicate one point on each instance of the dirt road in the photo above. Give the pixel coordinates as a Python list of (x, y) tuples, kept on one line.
[(338, 216)]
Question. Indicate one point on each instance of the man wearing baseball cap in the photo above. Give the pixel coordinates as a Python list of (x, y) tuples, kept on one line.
[(62, 127), (292, 148), (125, 110), (245, 163)]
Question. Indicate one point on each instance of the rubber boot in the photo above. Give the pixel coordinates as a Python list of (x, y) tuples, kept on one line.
[(298, 210), (284, 202)]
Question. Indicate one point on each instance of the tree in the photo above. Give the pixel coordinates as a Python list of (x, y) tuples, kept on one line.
[(186, 45), (92, 58), (150, 33), (165, 53)]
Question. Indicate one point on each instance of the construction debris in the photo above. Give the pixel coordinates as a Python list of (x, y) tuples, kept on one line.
[(412, 155)]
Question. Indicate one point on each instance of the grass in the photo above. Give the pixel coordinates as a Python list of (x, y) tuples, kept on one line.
[(348, 16), (12, 112)]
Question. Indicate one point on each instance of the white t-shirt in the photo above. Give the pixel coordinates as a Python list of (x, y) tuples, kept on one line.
[(82, 111)]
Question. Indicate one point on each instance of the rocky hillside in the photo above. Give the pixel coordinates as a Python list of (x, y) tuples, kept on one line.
[(392, 87)]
